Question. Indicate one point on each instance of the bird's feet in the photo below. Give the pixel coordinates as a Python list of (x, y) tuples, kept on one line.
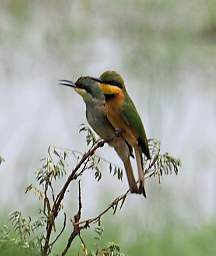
[(117, 133)]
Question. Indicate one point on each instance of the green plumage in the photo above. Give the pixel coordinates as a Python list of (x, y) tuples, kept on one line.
[(128, 110), (131, 116), (96, 113), (122, 114)]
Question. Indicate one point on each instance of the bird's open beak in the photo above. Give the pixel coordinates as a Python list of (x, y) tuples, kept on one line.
[(67, 83)]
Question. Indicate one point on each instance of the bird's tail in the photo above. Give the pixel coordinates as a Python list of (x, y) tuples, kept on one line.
[(139, 161), (130, 176), (123, 152)]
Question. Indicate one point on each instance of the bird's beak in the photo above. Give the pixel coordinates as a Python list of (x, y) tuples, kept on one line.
[(80, 91), (67, 83)]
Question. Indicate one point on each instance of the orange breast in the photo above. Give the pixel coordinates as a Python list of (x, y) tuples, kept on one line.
[(115, 117)]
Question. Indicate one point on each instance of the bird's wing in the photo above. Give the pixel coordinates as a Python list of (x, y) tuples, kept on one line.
[(132, 118)]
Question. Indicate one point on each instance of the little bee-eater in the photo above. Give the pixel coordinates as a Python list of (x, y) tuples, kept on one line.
[(96, 113), (122, 114)]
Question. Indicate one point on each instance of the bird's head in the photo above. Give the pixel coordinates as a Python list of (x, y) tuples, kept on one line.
[(111, 83), (87, 87)]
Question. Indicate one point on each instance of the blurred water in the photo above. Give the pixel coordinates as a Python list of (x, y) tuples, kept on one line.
[(171, 79)]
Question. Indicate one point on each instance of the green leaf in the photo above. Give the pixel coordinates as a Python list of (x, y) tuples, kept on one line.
[(56, 153)]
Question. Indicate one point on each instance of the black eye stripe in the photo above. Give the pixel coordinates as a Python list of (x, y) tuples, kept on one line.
[(109, 96), (98, 80), (112, 82), (115, 83)]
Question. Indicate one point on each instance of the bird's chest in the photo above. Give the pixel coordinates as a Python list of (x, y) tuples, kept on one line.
[(95, 114), (114, 110), (117, 119), (97, 118)]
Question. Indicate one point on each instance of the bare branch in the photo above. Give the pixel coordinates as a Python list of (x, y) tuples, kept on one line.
[(153, 167), (60, 196), (114, 204)]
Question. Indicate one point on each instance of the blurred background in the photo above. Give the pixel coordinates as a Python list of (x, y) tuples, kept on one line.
[(165, 50)]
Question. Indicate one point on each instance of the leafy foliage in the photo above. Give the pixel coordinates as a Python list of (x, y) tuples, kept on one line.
[(90, 136), (161, 164), (95, 159), (28, 231), (38, 235), (23, 238), (111, 250)]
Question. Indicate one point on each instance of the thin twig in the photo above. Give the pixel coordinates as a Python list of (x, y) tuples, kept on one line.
[(60, 196), (83, 243), (76, 229), (77, 224), (62, 230), (114, 203), (70, 240), (52, 191), (81, 154)]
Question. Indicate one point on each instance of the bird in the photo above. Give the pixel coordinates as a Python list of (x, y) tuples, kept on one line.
[(122, 114), (96, 114)]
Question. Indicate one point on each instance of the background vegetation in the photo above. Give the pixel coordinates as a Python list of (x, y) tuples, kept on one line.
[(166, 52)]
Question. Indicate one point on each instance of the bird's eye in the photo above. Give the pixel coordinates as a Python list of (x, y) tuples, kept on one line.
[(115, 83)]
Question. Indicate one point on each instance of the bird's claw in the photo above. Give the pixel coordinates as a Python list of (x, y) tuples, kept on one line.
[(117, 133)]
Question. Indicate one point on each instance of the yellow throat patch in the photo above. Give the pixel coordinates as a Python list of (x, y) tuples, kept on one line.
[(110, 89)]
